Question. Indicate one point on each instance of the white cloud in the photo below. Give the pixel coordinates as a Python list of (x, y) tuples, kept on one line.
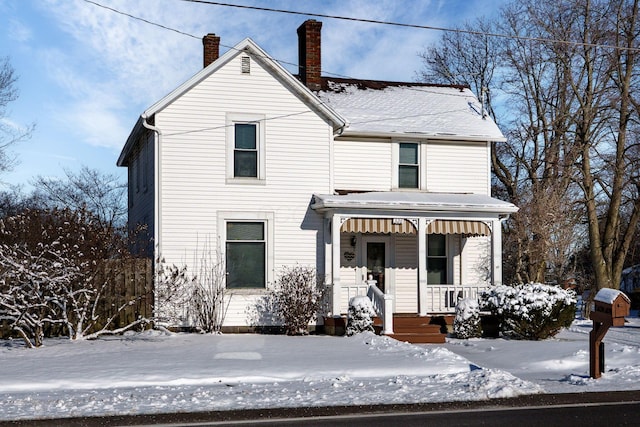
[(19, 32), (114, 66)]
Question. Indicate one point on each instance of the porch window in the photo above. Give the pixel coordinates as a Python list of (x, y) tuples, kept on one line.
[(408, 166), (437, 259), (245, 152), (246, 255)]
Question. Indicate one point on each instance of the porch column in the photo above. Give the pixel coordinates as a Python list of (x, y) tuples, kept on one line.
[(335, 264), (422, 266), (496, 252), (328, 263)]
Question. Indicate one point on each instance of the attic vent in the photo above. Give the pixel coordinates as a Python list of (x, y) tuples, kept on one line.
[(246, 65)]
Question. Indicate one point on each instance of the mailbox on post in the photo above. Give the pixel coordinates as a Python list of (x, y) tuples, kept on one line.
[(610, 306)]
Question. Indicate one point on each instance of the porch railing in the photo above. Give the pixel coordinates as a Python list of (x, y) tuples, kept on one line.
[(383, 305), (443, 298)]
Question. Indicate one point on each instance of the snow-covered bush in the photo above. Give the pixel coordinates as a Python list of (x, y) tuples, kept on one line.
[(60, 256), (298, 296), (31, 289), (530, 311), (467, 321), (360, 315)]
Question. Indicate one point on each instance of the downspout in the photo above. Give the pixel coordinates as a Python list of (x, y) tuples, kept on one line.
[(157, 206)]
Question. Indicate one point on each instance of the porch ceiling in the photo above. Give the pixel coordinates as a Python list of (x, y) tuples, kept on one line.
[(414, 201)]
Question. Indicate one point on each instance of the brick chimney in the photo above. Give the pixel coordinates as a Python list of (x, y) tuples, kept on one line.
[(309, 54), (211, 48)]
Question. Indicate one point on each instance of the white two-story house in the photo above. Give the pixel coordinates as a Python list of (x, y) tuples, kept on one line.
[(370, 182)]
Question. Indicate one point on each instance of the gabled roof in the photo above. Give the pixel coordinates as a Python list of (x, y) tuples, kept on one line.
[(388, 109), (259, 55)]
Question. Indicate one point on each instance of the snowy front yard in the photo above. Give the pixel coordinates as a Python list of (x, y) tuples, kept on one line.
[(159, 372)]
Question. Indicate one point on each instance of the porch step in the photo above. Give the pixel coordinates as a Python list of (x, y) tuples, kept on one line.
[(416, 329), (420, 338)]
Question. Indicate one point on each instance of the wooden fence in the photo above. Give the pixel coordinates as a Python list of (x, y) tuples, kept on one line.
[(129, 282)]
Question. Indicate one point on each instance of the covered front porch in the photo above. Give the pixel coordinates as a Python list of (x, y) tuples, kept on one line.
[(411, 252)]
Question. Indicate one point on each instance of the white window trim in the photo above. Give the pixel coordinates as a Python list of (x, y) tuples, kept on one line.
[(395, 159), (269, 220), (259, 120)]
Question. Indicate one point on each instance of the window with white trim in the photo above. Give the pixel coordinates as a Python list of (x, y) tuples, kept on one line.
[(245, 147), (245, 150), (408, 165), (437, 264), (246, 254)]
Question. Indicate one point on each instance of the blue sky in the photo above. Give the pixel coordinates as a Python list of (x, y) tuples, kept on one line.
[(86, 73)]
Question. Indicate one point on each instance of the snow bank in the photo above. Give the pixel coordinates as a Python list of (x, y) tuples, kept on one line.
[(153, 372)]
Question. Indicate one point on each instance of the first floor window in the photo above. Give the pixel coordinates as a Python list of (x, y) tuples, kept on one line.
[(437, 259), (246, 255), (408, 166), (245, 152)]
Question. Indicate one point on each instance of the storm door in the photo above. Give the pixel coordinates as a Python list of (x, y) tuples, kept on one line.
[(376, 260)]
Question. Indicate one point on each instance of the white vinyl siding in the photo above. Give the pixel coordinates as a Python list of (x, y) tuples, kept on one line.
[(194, 174), (362, 165), (406, 274), (348, 270), (445, 166), (458, 167), (476, 260)]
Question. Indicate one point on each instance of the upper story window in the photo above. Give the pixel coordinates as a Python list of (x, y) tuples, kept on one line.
[(245, 147), (245, 151), (408, 165)]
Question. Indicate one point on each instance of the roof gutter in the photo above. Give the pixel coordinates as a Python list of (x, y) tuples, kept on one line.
[(414, 207), (421, 136)]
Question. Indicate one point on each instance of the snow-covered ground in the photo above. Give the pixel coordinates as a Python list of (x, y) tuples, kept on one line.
[(161, 372)]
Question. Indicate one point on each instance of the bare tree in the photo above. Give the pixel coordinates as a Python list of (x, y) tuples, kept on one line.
[(465, 58), (9, 134), (101, 193), (607, 130), (537, 165), (533, 169), (569, 77)]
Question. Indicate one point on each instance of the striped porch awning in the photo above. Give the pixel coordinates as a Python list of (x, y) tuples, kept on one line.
[(378, 225), (467, 228)]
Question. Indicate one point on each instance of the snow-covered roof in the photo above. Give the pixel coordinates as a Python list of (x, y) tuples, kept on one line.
[(608, 295), (414, 201), (415, 109)]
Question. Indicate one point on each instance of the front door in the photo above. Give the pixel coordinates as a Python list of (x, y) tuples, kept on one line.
[(376, 260)]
